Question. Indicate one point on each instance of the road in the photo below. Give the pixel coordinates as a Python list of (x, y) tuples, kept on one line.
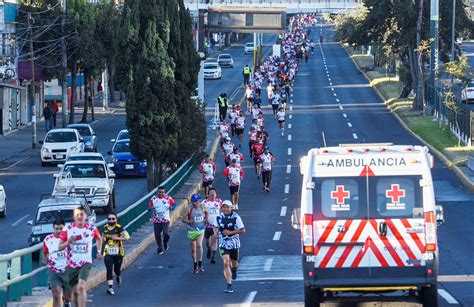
[(333, 98), (23, 196)]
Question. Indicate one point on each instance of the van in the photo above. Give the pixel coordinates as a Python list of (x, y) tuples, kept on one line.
[(368, 221)]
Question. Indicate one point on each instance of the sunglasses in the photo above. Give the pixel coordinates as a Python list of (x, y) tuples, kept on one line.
[(111, 219)]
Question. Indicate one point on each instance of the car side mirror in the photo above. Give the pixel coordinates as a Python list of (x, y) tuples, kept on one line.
[(112, 140), (110, 165), (55, 175), (81, 139), (30, 222), (111, 175), (439, 215), (295, 218), (60, 165), (109, 152), (41, 142)]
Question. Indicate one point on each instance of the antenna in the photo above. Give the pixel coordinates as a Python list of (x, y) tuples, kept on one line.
[(324, 139)]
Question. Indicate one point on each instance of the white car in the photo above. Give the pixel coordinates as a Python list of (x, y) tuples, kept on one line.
[(58, 144), (122, 135), (225, 60), (249, 47), (468, 93), (90, 178), (3, 202), (212, 70)]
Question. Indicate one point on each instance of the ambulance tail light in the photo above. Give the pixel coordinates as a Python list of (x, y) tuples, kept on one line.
[(430, 231), (307, 232)]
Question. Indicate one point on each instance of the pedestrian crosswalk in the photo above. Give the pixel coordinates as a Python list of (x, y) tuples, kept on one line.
[(446, 192), (270, 267)]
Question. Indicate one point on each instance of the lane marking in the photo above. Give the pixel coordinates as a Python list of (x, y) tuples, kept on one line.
[(289, 126), (290, 116), (291, 100), (287, 188), (249, 298), (345, 115), (355, 136), (332, 89), (276, 236), (20, 220), (291, 95), (288, 169), (340, 107), (289, 151), (289, 137), (291, 108), (329, 79), (268, 265), (337, 99), (447, 297), (330, 83), (349, 125), (283, 211), (335, 95)]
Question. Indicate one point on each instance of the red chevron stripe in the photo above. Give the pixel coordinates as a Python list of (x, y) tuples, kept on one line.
[(324, 236), (402, 241), (414, 236), (334, 247), (388, 245), (349, 248), (377, 253)]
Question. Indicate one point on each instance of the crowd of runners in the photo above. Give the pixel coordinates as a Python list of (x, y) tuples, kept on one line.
[(68, 251)]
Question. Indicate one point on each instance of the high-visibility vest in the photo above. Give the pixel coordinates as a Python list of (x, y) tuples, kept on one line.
[(222, 101), (246, 70)]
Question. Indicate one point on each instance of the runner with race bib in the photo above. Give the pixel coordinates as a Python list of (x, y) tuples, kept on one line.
[(234, 174), (161, 204), (266, 159), (213, 206), (196, 222)]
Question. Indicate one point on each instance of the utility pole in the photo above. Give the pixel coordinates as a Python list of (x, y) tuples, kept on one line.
[(434, 48), (32, 85), (453, 31), (65, 106)]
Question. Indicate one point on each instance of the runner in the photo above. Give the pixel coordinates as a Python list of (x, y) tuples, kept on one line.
[(240, 122), (56, 261), (264, 135), (249, 96), (281, 120), (208, 171), (275, 101), (256, 111), (213, 206), (260, 121), (256, 101), (232, 116), (234, 174), (223, 131), (227, 149), (257, 150), (196, 219), (235, 155), (162, 204), (230, 227), (252, 138), (113, 235), (77, 238), (266, 160)]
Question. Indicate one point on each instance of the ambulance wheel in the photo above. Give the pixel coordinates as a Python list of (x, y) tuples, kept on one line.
[(312, 297), (429, 295)]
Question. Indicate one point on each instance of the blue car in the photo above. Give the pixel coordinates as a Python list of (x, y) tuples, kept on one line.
[(125, 163)]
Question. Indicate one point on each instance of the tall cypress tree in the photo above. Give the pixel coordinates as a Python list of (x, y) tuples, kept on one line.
[(148, 79)]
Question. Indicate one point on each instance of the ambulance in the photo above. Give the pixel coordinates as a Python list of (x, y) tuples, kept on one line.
[(368, 222)]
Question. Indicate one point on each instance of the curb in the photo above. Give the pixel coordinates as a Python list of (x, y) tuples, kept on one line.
[(463, 177)]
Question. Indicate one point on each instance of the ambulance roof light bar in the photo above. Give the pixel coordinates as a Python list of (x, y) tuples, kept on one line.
[(365, 144)]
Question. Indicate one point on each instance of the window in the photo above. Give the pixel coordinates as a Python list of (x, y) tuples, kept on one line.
[(122, 147), (396, 197), (85, 170), (60, 137), (48, 216), (124, 136), (340, 198), (83, 131)]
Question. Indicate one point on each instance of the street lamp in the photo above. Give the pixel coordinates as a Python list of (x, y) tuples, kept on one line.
[(453, 28)]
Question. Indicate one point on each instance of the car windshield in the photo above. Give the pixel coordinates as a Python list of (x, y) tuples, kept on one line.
[(249, 45), (122, 147), (84, 131), (82, 158), (225, 56), (123, 136), (210, 66), (61, 137), (85, 170), (48, 216)]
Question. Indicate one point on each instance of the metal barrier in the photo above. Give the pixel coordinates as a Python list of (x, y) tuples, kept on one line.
[(16, 268)]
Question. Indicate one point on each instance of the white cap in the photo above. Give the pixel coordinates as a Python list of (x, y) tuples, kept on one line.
[(227, 203)]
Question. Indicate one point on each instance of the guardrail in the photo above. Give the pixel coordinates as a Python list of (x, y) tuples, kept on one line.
[(16, 268)]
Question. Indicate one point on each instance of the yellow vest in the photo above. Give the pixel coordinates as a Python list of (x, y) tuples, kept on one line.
[(247, 70), (222, 101)]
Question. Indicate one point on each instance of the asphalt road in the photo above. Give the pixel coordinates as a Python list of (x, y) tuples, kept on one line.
[(27, 180), (347, 111)]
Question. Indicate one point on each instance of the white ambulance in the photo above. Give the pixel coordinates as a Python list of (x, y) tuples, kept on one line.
[(368, 221)]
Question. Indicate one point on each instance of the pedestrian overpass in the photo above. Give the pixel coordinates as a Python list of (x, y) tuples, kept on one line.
[(291, 6)]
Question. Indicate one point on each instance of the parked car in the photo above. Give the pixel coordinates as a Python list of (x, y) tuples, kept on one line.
[(3, 202), (125, 163), (59, 143), (212, 70), (249, 48), (122, 135), (225, 60), (468, 93), (90, 138)]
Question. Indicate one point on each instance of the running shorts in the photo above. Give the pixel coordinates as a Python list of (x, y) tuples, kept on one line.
[(234, 189), (281, 121), (58, 280), (233, 253), (206, 184), (208, 233), (193, 235), (74, 274), (239, 131)]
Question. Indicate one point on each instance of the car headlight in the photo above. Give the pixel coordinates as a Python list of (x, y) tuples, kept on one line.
[(143, 163), (35, 239), (101, 191), (88, 143), (46, 150), (114, 160)]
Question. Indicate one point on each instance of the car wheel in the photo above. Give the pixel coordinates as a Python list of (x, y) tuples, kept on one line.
[(312, 297), (429, 295), (3, 214), (43, 164)]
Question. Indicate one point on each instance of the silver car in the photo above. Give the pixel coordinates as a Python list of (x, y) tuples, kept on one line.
[(88, 134), (225, 60)]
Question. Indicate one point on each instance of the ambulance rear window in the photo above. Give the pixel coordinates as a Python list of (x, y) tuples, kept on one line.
[(398, 197), (339, 198)]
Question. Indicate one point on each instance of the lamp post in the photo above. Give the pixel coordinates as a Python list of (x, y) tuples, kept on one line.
[(434, 47), (453, 30)]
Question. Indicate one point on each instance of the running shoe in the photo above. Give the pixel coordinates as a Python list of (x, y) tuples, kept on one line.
[(213, 260), (166, 246), (234, 274), (201, 269), (110, 291), (236, 206), (119, 280), (160, 251), (208, 255), (229, 289)]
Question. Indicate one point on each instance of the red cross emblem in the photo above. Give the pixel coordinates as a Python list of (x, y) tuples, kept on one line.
[(340, 195), (395, 193)]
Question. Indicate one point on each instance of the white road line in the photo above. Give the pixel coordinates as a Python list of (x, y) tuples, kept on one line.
[(330, 79), (291, 108), (249, 299), (340, 107), (332, 89), (345, 115), (287, 188), (267, 266), (349, 125), (289, 151), (289, 137), (277, 236), (290, 116), (330, 83), (337, 99), (291, 100), (289, 126), (288, 169), (291, 95), (335, 95), (448, 297), (283, 211), (355, 136), (20, 220)]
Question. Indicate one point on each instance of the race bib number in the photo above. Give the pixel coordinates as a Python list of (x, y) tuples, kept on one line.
[(60, 254), (198, 219), (113, 250), (214, 210), (267, 164), (80, 248), (160, 215), (234, 177)]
